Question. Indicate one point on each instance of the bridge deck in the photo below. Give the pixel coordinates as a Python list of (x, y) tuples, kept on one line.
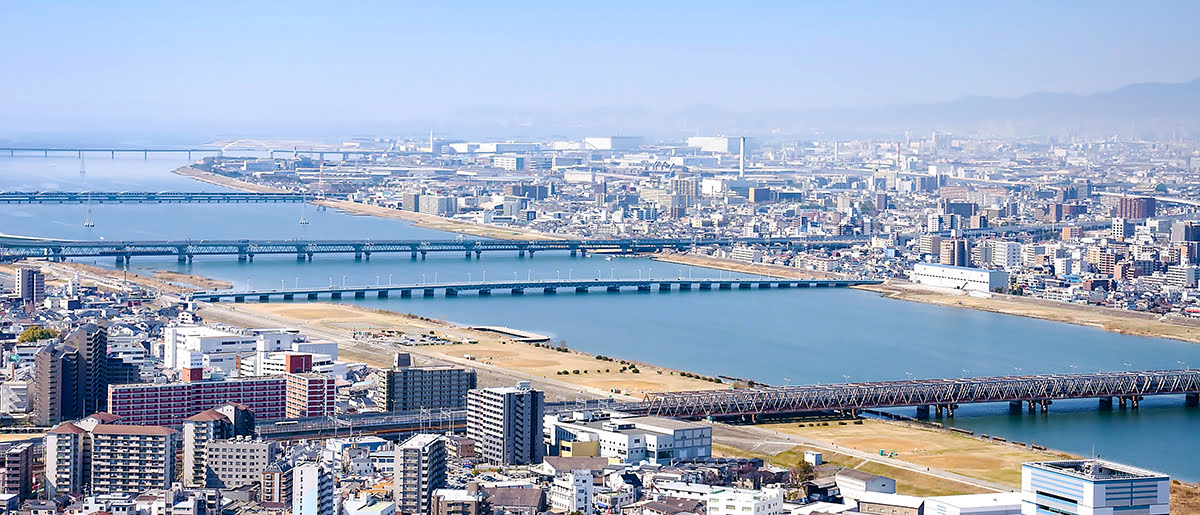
[(929, 392)]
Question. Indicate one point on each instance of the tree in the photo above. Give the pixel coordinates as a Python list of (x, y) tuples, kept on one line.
[(34, 333)]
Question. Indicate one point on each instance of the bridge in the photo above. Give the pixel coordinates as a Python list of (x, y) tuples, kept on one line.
[(145, 152), (518, 288), (245, 250), (140, 197), (942, 395)]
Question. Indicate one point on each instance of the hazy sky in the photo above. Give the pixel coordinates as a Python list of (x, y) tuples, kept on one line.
[(245, 61)]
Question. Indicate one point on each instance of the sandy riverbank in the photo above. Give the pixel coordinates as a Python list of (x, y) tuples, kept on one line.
[(418, 219), (782, 272), (495, 350), (199, 282)]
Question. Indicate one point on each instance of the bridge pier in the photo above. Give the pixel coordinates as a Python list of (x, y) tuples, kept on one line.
[(241, 255), (312, 296), (1046, 405), (414, 255), (1191, 400), (520, 253), (664, 286), (367, 255), (517, 291), (764, 286), (335, 295), (573, 252), (938, 410), (405, 294), (239, 298), (1014, 407), (614, 289), (724, 286), (358, 255), (300, 255), (451, 292), (785, 285), (1121, 402), (485, 293), (745, 286), (423, 253), (383, 294), (289, 296), (581, 289), (705, 286), (428, 292), (360, 294), (923, 411), (550, 290), (478, 254), (644, 287), (264, 298), (1106, 403), (685, 287)]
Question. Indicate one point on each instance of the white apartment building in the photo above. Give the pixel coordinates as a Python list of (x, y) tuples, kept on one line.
[(632, 439), (1006, 254), (506, 424), (420, 468), (736, 501), (312, 489), (573, 491), (132, 459)]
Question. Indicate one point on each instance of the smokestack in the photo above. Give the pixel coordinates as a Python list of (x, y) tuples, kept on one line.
[(742, 159)]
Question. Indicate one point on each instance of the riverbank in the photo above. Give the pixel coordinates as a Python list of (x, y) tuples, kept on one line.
[(1114, 320), (422, 220), (547, 361)]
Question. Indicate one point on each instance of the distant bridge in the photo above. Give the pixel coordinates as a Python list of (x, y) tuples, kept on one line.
[(140, 197), (245, 250), (519, 287), (1037, 391), (112, 152)]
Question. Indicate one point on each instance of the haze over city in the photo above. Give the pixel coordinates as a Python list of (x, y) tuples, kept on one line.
[(608, 258)]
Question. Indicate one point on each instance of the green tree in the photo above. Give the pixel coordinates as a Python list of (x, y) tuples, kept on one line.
[(34, 333)]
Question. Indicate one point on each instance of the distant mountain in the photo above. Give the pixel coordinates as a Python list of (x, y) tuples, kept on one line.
[(1148, 110)]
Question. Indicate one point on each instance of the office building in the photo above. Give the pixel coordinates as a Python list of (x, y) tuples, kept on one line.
[(420, 468), (629, 439), (1122, 228), (238, 461), (1092, 486), (30, 286), (1006, 503), (1135, 208), (312, 489), (127, 459), (413, 388), (506, 424), (203, 348), (960, 278), (1185, 231)]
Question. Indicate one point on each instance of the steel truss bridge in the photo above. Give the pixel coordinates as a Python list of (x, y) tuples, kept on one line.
[(245, 250), (940, 394), (139, 197), (519, 287)]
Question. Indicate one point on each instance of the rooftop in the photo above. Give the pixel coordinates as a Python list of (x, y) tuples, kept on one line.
[(1095, 469), (114, 429)]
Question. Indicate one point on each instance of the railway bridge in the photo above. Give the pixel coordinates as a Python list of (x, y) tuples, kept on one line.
[(1037, 392), (143, 197)]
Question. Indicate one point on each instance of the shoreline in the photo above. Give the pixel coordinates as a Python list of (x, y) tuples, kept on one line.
[(1108, 319)]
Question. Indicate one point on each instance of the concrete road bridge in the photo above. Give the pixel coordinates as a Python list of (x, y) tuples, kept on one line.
[(548, 287), (245, 250), (1037, 392)]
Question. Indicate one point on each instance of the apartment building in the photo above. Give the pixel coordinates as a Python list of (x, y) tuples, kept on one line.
[(420, 468), (506, 424)]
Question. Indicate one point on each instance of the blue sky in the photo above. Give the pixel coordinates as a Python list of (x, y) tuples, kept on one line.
[(235, 62)]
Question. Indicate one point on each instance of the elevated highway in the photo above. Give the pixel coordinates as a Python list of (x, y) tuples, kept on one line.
[(245, 250)]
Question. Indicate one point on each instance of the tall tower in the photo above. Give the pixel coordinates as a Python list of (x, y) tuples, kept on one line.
[(742, 159)]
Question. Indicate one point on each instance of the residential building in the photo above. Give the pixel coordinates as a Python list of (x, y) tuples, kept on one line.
[(65, 472), (1006, 254), (420, 468), (1136, 208), (853, 483), (29, 285), (1092, 486), (573, 492), (628, 439), (266, 397), (17, 477), (469, 501), (368, 504), (131, 459), (238, 461), (506, 424), (436, 387), (57, 391), (310, 394), (312, 489), (954, 252), (275, 487)]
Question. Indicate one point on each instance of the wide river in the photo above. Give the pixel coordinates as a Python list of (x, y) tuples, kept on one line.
[(775, 336)]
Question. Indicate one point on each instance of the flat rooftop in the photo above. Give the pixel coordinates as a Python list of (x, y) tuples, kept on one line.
[(1096, 470)]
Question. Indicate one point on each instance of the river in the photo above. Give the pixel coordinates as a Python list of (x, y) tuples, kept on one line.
[(776, 336)]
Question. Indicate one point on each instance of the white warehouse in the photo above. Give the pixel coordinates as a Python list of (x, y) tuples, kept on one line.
[(959, 277)]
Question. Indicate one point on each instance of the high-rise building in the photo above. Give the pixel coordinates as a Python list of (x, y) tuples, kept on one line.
[(954, 252), (413, 388), (1135, 208), (64, 459), (1185, 231), (420, 468), (312, 489), (174, 402), (1006, 254), (1121, 228), (30, 286), (131, 459), (506, 424), (17, 474), (100, 369), (1092, 486), (57, 392), (310, 394), (275, 488), (208, 426)]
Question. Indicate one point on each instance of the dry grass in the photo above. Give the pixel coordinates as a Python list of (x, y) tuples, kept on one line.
[(492, 349), (943, 450)]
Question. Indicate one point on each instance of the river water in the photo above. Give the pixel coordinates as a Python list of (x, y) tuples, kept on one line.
[(775, 336)]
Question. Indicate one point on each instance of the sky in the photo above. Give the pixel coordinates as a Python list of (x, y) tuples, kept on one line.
[(247, 63)]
